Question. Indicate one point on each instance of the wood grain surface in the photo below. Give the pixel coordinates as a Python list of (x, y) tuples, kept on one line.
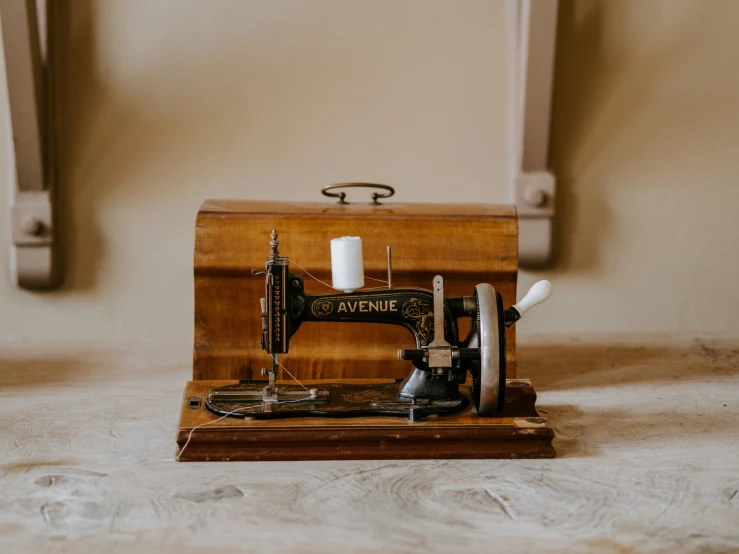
[(467, 244), (647, 444)]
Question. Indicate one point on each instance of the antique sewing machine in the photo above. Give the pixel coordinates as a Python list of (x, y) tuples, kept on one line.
[(331, 386), (441, 360)]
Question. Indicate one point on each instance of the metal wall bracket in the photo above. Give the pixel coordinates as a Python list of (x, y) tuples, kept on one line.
[(28, 50), (531, 37)]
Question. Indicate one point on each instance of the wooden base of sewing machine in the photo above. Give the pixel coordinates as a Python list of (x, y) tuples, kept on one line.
[(519, 433)]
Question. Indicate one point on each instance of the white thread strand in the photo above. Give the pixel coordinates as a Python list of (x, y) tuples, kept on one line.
[(189, 436), (309, 274), (347, 266), (373, 279), (274, 357)]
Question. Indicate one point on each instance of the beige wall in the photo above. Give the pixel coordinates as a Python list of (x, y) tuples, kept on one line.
[(167, 102), (646, 151)]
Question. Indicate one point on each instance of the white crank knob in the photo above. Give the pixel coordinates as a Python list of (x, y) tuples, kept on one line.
[(537, 294)]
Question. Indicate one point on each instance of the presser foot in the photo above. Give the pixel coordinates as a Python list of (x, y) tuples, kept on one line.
[(331, 400)]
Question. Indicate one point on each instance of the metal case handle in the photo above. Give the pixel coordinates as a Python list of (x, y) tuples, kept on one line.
[(342, 195)]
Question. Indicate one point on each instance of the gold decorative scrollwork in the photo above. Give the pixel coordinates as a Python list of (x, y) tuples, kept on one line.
[(322, 308), (422, 312)]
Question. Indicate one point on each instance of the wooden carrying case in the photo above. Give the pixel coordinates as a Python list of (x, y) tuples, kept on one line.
[(466, 244)]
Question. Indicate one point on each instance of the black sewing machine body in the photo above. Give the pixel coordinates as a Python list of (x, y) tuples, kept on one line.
[(441, 358)]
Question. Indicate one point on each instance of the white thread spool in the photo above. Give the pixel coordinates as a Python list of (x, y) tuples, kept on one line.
[(347, 268)]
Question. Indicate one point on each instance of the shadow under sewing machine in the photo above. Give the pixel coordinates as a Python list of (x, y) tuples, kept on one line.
[(455, 401)]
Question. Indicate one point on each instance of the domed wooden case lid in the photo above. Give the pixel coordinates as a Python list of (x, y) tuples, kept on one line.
[(465, 243)]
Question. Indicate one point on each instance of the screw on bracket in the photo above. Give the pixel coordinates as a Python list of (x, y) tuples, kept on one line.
[(32, 226), (535, 197)]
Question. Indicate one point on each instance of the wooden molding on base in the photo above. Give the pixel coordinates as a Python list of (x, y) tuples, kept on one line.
[(519, 433)]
